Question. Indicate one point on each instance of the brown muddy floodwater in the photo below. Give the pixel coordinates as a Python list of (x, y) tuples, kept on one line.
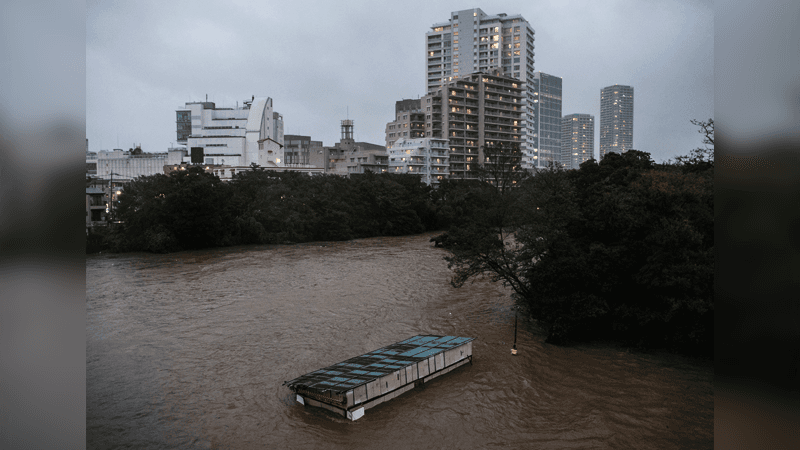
[(190, 350)]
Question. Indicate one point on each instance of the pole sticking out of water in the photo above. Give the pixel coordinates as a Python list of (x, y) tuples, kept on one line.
[(514, 348)]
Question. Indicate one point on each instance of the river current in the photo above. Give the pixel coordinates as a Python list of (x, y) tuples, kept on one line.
[(190, 350)]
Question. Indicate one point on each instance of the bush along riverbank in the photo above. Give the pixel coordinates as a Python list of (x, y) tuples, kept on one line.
[(192, 209)]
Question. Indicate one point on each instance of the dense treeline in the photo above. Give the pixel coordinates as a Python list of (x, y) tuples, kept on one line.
[(191, 209), (621, 249)]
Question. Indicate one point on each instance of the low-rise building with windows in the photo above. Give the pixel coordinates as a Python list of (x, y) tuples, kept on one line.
[(348, 156), (122, 164), (427, 157), (96, 206)]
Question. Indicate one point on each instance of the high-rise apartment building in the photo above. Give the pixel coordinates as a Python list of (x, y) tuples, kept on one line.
[(473, 41), (474, 111), (577, 140), (409, 122), (545, 113), (616, 119)]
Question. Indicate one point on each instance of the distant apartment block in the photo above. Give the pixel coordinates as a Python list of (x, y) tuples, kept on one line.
[(577, 140), (231, 136), (472, 41), (96, 206), (616, 119), (298, 150), (409, 122), (426, 157), (474, 111), (348, 156), (364, 160)]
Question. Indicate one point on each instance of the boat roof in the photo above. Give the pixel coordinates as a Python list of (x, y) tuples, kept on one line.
[(354, 372)]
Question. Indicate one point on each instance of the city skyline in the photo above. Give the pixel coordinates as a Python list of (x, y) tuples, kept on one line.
[(349, 61)]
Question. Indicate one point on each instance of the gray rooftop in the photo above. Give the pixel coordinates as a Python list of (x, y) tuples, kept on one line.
[(346, 375)]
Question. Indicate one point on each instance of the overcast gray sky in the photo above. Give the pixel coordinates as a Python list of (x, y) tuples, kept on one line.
[(317, 59)]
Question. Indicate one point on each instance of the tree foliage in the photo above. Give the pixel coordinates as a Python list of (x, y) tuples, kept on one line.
[(618, 249), (191, 209)]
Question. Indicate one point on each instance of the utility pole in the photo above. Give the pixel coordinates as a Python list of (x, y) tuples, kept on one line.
[(111, 196)]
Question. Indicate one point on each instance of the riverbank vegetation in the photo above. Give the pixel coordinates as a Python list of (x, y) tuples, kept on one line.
[(191, 209)]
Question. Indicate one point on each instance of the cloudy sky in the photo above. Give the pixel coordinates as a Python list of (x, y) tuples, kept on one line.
[(323, 61)]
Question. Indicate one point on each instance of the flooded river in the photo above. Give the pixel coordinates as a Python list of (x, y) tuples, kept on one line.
[(190, 350)]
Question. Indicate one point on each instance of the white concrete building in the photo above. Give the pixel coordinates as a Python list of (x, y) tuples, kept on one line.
[(230, 136), (427, 157), (122, 165)]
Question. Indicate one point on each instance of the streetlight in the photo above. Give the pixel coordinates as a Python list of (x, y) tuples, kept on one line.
[(111, 193)]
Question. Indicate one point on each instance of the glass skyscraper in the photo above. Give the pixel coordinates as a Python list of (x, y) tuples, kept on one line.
[(546, 124)]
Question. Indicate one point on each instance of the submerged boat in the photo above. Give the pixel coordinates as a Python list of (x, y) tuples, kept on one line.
[(357, 384)]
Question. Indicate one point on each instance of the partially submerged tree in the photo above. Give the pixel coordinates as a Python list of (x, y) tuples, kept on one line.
[(622, 248), (484, 244)]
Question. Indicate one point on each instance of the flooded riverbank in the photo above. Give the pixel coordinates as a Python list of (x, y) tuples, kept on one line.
[(191, 349)]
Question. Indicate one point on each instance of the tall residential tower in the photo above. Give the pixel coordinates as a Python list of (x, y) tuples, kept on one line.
[(472, 41), (616, 119), (476, 111), (577, 140)]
